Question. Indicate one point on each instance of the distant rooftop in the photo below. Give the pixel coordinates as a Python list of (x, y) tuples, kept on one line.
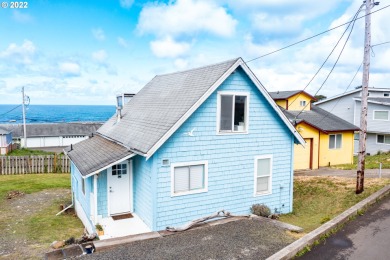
[(53, 129)]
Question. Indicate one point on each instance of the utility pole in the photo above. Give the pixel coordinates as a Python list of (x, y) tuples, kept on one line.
[(24, 117), (364, 105)]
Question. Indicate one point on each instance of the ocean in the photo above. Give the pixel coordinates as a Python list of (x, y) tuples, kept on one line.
[(55, 113)]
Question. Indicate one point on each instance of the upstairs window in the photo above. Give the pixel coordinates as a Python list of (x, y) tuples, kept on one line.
[(232, 112), (335, 141), (386, 94), (381, 115), (302, 103)]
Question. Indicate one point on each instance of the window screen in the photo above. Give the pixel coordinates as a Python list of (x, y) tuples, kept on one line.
[(263, 175), (335, 141), (226, 113), (189, 178)]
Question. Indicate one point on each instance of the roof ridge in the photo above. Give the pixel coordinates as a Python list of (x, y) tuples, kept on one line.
[(197, 68)]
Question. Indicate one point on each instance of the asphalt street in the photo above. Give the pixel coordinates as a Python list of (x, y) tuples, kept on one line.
[(366, 237)]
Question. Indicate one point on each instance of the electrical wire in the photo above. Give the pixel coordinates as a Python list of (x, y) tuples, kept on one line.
[(334, 65), (327, 58), (318, 34), (10, 110)]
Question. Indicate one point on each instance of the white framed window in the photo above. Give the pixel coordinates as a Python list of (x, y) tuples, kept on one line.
[(302, 103), (335, 141), (263, 175), (383, 139), (118, 170), (232, 112), (189, 178), (381, 115)]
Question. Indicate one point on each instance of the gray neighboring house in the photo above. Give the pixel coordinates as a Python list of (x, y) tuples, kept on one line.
[(5, 140), (348, 107), (53, 134)]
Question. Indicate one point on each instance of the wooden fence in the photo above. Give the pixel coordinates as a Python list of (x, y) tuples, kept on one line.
[(34, 164)]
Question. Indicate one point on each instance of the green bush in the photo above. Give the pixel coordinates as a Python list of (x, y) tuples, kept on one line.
[(261, 210)]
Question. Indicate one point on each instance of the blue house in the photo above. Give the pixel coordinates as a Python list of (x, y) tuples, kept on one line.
[(187, 145)]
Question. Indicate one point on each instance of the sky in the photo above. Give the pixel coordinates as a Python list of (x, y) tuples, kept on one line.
[(86, 52)]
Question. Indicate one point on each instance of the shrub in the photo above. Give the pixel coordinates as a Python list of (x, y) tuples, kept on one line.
[(261, 210)]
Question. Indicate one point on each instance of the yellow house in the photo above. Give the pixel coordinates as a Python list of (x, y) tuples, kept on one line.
[(329, 139)]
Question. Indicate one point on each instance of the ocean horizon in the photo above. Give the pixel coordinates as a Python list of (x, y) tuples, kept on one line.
[(12, 114)]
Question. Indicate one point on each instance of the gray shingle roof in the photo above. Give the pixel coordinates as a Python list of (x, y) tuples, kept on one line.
[(95, 154), (160, 104), (283, 94), (321, 120), (55, 129), (4, 131)]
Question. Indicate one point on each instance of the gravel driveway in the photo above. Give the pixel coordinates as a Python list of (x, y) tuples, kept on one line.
[(241, 239)]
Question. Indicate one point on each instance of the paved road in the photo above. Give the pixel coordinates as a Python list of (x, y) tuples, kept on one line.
[(367, 237)]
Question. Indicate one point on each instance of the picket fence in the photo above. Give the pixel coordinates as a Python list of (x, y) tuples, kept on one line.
[(34, 164)]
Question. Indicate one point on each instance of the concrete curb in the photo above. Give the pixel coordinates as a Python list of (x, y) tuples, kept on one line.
[(291, 250)]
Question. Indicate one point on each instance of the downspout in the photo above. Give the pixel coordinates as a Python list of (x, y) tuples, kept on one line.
[(292, 174)]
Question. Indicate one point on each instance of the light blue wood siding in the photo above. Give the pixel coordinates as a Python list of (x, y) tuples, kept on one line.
[(83, 199), (230, 160), (143, 186)]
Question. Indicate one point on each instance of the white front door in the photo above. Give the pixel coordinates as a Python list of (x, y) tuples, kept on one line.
[(120, 191)]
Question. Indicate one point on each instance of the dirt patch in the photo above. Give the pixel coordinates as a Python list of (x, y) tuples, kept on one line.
[(14, 214)]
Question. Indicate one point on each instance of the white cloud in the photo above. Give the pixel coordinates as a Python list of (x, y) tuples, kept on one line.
[(19, 54), (20, 17), (122, 42), (70, 69), (181, 64), (186, 17), (276, 25), (127, 4), (168, 48), (100, 56), (98, 33)]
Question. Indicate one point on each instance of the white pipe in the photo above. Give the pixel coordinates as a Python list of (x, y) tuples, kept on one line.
[(71, 205)]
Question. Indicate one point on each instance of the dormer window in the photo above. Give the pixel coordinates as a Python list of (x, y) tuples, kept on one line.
[(302, 103), (232, 112)]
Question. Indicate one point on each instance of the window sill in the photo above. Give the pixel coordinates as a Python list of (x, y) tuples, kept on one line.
[(188, 192), (262, 194), (232, 133)]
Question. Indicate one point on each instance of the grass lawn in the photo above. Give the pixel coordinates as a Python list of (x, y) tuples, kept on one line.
[(31, 219), (319, 199), (372, 162), (29, 183), (26, 152)]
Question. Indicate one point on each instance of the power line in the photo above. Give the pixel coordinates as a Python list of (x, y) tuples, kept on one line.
[(10, 110), (322, 65), (318, 34), (350, 83), (334, 65)]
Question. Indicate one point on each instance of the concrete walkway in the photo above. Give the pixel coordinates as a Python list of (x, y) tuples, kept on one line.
[(326, 171)]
